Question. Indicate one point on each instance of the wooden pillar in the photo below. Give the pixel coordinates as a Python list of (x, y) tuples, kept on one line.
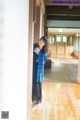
[(41, 20), (79, 69), (30, 59), (37, 25)]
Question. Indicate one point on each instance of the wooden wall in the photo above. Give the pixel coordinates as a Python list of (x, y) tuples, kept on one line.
[(60, 51)]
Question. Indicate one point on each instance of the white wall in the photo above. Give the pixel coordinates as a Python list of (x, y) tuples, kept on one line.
[(15, 58), (1, 50)]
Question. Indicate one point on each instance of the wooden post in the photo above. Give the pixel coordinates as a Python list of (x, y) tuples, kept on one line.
[(79, 69)]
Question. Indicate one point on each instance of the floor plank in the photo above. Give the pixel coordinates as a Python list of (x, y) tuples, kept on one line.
[(61, 101)]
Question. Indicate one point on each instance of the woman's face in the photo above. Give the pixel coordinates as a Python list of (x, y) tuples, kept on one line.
[(41, 43)]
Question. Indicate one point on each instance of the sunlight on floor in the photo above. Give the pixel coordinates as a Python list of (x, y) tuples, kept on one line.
[(61, 101)]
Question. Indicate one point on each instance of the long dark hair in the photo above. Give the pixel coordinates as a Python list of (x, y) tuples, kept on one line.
[(45, 48)]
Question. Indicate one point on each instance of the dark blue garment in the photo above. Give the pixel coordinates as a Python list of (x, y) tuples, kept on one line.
[(42, 58), (39, 61), (36, 87), (35, 63), (38, 73), (37, 92)]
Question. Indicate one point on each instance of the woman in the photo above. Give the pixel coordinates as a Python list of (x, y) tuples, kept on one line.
[(39, 60)]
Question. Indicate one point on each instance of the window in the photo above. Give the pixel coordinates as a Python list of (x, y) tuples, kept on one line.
[(58, 38), (51, 40), (64, 39)]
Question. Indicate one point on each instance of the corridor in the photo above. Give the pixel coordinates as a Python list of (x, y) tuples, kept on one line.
[(60, 88)]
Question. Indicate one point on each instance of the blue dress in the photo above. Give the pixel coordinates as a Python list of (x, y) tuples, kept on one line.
[(39, 61)]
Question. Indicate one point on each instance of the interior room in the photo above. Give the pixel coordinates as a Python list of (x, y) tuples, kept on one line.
[(63, 59), (60, 87)]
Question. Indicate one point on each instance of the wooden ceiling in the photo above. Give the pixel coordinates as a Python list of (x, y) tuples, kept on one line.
[(60, 11)]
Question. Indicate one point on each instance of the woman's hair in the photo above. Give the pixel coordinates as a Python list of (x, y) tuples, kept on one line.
[(44, 38)]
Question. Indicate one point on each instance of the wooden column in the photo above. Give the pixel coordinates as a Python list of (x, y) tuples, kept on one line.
[(41, 20), (30, 59), (37, 25), (79, 70)]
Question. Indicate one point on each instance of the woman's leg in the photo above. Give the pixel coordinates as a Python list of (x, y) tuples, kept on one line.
[(40, 89), (33, 91), (39, 92), (34, 81)]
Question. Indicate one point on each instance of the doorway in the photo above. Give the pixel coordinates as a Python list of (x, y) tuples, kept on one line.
[(64, 61)]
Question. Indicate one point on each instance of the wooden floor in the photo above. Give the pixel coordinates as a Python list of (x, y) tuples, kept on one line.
[(62, 73), (61, 101), (62, 70)]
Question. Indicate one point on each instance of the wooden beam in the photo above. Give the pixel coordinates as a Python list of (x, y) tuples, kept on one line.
[(59, 17), (61, 10)]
